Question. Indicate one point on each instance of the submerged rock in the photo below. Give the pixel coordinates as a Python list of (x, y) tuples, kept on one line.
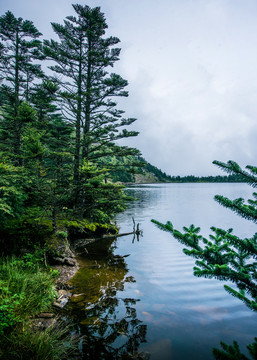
[(77, 298), (63, 299)]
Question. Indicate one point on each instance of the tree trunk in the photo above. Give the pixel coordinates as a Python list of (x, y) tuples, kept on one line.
[(17, 143), (78, 133), (86, 129)]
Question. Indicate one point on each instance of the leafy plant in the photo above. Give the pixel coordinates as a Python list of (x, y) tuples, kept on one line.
[(8, 306)]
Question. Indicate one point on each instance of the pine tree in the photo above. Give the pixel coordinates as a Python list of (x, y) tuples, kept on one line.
[(12, 128), (19, 49), (12, 193), (47, 154), (43, 98), (59, 130), (225, 256), (82, 58)]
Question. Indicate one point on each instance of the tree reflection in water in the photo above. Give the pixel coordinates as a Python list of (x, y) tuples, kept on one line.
[(108, 321)]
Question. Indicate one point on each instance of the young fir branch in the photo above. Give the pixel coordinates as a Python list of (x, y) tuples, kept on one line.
[(220, 257), (232, 168)]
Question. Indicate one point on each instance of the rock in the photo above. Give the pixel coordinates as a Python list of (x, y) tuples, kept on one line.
[(62, 285), (67, 266), (77, 298), (45, 315), (58, 260), (60, 305), (69, 261), (63, 299), (61, 254), (62, 293)]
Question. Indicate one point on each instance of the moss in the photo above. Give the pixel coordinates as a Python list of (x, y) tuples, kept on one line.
[(84, 228), (63, 235)]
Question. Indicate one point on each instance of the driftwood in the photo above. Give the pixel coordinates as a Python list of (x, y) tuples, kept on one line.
[(136, 232), (82, 243)]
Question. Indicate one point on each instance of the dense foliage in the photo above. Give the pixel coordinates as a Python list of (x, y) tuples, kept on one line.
[(59, 129), (225, 256), (57, 132)]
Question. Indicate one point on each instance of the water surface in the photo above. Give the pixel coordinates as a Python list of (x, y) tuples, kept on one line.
[(141, 296)]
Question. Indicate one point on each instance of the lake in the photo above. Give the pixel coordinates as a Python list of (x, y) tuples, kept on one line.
[(141, 299)]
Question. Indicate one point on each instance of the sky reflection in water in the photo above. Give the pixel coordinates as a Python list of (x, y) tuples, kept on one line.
[(151, 295)]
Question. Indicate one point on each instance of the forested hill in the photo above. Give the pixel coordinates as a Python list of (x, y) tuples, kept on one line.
[(135, 169), (147, 173), (151, 173)]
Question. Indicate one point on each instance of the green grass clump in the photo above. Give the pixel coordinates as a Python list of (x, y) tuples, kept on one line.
[(26, 343), (26, 290)]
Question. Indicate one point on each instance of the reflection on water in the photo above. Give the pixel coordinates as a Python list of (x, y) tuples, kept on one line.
[(141, 297), (108, 321)]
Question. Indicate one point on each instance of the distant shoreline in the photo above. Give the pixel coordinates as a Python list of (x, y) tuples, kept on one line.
[(183, 180)]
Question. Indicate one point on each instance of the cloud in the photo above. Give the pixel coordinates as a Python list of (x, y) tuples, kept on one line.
[(192, 72)]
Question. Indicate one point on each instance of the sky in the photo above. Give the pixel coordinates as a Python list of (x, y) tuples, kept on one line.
[(192, 72)]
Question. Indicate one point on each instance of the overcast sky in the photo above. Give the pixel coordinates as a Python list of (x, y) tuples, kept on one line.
[(192, 72)]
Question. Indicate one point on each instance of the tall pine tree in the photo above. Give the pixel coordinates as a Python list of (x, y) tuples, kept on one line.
[(19, 49), (82, 58)]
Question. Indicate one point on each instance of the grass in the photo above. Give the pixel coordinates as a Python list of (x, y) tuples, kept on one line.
[(26, 289), (24, 343)]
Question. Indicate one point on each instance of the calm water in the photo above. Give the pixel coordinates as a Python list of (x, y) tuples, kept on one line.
[(150, 301)]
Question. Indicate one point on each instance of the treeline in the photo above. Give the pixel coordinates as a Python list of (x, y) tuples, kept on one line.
[(163, 177), (58, 130), (126, 169), (212, 179)]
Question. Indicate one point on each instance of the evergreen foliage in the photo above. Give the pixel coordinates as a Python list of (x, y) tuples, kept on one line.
[(55, 133), (125, 169), (12, 193), (211, 179), (58, 130), (225, 256), (20, 48), (87, 90), (100, 200)]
